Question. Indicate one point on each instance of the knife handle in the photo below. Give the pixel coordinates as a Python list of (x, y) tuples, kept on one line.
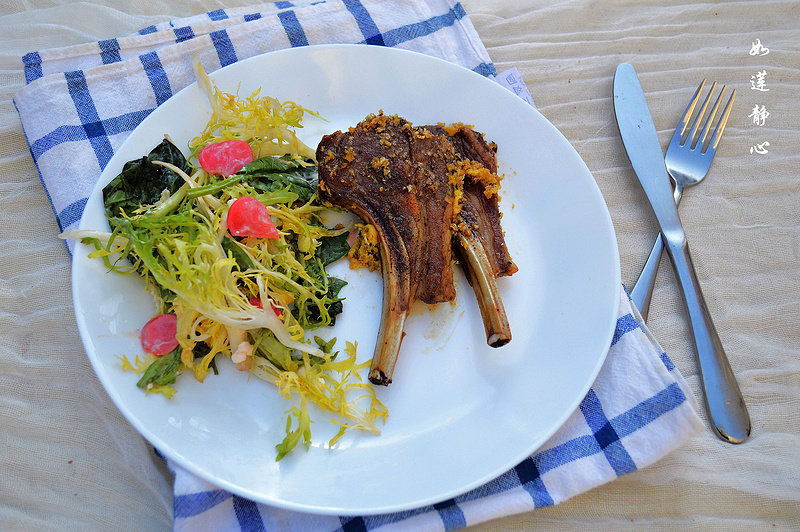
[(724, 400)]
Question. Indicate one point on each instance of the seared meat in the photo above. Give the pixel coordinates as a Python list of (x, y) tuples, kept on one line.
[(394, 177), (426, 192), (479, 242), (479, 212)]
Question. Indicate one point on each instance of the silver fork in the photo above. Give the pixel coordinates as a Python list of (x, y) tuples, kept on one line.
[(688, 159)]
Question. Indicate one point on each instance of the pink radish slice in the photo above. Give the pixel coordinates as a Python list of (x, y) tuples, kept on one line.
[(158, 334), (249, 217), (225, 158)]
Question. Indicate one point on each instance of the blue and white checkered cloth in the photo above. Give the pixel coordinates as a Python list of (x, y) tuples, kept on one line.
[(80, 104)]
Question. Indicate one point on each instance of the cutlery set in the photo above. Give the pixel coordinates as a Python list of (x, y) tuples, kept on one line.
[(687, 162)]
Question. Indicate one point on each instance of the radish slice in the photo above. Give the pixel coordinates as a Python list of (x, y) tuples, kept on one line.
[(249, 217), (158, 334), (225, 158)]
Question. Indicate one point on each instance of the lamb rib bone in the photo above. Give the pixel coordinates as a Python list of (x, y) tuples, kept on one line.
[(478, 270), (479, 243)]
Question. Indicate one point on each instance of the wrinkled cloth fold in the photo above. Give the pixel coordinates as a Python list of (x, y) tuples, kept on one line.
[(81, 103)]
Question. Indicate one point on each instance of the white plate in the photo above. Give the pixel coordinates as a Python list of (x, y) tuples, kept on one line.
[(461, 413)]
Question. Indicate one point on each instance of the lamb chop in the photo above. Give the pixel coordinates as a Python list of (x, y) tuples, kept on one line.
[(479, 242), (404, 181), (394, 177)]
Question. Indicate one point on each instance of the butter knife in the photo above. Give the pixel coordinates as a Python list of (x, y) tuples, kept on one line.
[(726, 407)]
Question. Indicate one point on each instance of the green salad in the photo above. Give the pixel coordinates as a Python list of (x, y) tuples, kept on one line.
[(231, 243)]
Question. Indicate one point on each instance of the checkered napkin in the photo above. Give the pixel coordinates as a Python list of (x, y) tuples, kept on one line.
[(80, 104)]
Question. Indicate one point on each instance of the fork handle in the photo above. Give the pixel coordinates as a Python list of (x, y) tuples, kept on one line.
[(724, 400), (642, 291)]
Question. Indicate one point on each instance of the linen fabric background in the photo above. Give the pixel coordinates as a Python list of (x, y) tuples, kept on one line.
[(82, 102), (742, 223)]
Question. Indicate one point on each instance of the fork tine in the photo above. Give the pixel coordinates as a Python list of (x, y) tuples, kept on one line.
[(722, 122), (691, 138), (687, 114), (710, 120)]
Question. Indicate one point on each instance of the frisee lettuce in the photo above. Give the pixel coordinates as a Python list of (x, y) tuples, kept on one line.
[(168, 219)]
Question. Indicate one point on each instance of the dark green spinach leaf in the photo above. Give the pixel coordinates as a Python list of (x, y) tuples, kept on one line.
[(270, 174), (332, 248), (141, 182), (335, 306)]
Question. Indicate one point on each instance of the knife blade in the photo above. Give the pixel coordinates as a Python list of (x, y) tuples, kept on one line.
[(725, 404)]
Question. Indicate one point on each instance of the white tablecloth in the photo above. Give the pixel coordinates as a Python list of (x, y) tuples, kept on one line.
[(70, 461)]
